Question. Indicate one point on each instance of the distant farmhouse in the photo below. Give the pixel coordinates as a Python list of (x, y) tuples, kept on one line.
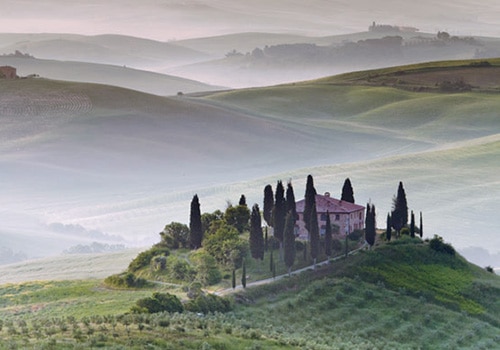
[(388, 28), (8, 72), (347, 216)]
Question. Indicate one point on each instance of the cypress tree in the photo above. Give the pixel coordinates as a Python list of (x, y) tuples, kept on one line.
[(421, 226), (243, 201), (370, 225), (290, 201), (256, 236), (328, 236), (279, 212), (271, 261), (388, 230), (314, 234), (244, 275), (268, 205), (234, 279), (310, 201), (195, 227), (412, 225), (399, 213), (289, 243), (266, 241), (347, 192)]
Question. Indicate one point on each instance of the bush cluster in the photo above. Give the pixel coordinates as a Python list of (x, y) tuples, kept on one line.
[(124, 280), (166, 302), (439, 245), (144, 258)]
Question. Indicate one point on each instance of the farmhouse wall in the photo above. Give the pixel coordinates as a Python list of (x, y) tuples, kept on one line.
[(8, 72)]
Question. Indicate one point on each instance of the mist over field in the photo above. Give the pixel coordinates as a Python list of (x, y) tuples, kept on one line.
[(101, 155)]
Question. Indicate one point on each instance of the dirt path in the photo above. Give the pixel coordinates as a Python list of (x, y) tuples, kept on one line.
[(227, 291)]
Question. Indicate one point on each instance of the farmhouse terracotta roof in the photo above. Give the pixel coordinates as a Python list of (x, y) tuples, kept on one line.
[(326, 203)]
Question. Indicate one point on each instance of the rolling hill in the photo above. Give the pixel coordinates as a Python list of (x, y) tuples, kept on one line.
[(105, 49), (145, 81), (128, 163)]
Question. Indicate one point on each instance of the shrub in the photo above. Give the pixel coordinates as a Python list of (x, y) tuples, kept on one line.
[(208, 304), (158, 302), (125, 280), (356, 235), (438, 245), (144, 258)]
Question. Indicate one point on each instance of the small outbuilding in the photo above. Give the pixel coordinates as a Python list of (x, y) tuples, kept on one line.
[(8, 72)]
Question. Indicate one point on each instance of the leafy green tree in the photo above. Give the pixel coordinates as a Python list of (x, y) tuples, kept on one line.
[(244, 275), (196, 233), (412, 225), (175, 235), (310, 201), (226, 246), (370, 224), (279, 212), (238, 217), (207, 272), (388, 230), (256, 235), (328, 236), (268, 205), (399, 213), (208, 218), (314, 234), (289, 241), (347, 192)]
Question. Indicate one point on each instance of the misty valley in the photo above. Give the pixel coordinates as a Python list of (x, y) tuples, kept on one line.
[(158, 191)]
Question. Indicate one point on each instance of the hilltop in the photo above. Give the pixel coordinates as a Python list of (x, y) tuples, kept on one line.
[(400, 295)]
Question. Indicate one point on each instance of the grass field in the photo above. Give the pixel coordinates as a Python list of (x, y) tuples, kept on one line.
[(398, 296)]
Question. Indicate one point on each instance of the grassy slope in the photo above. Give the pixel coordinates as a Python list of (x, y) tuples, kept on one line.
[(264, 127), (398, 296), (117, 75)]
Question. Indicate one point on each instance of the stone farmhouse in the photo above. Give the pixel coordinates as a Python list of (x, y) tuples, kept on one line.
[(8, 72), (347, 216)]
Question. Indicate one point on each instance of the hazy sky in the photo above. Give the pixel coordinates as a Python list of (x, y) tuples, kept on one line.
[(178, 19)]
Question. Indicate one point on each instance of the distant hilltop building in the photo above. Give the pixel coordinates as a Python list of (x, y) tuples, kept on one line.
[(8, 72), (388, 28), (345, 215)]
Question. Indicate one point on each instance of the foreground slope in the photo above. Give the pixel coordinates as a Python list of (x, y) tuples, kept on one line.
[(401, 295)]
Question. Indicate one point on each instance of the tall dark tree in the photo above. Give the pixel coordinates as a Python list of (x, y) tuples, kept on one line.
[(233, 280), (289, 241), (412, 225), (271, 261), (268, 205), (370, 224), (310, 201), (243, 200), (195, 228), (314, 234), (421, 226), (244, 275), (347, 192), (256, 235), (399, 213), (388, 230), (290, 201), (279, 212), (328, 236)]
